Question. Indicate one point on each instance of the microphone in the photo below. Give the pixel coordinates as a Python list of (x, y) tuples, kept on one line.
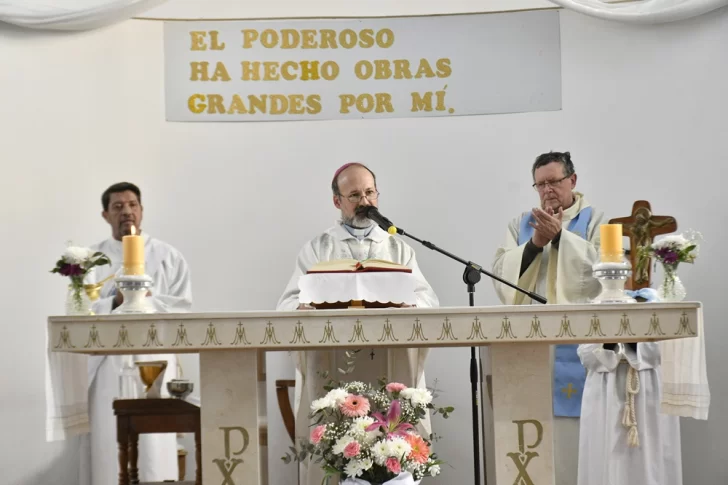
[(373, 213)]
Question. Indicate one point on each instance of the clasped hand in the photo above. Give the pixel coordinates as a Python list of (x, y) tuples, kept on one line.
[(547, 225)]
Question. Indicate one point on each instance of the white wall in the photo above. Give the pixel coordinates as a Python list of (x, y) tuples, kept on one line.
[(643, 115)]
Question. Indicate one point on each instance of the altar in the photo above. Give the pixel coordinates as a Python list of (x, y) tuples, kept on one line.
[(519, 336)]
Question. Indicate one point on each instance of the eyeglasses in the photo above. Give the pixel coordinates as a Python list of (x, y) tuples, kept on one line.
[(355, 198), (541, 186)]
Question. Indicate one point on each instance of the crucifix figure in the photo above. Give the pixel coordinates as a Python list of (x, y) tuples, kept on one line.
[(641, 228)]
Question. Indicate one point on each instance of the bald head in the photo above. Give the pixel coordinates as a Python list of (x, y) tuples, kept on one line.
[(348, 167), (354, 187)]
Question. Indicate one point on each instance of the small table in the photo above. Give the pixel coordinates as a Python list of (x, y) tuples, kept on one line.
[(137, 416)]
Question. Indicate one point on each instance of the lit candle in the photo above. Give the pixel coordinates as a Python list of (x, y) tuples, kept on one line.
[(611, 243), (133, 250)]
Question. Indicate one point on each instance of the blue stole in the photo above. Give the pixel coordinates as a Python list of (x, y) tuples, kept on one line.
[(569, 373)]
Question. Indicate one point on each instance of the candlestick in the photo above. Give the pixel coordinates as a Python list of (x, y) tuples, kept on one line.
[(613, 270), (611, 249), (133, 250)]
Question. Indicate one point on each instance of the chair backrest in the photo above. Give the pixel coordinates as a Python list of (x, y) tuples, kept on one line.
[(641, 227)]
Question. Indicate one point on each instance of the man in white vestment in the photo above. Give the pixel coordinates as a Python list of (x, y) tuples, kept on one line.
[(621, 435), (540, 256), (354, 237), (171, 292)]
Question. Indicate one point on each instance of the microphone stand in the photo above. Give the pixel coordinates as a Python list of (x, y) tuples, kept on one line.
[(471, 277)]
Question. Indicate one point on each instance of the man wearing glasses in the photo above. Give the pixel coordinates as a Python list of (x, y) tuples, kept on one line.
[(355, 236), (551, 250)]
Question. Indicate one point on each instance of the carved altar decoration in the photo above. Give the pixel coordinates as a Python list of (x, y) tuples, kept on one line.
[(519, 337)]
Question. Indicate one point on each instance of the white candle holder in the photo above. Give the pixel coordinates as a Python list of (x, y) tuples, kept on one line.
[(135, 289), (613, 276)]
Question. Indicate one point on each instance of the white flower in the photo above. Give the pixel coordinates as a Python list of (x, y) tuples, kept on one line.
[(338, 448), (322, 403), (372, 436), (337, 395), (380, 452), (673, 241), (366, 463), (399, 448), (434, 470), (359, 426), (356, 467), (76, 255), (418, 397)]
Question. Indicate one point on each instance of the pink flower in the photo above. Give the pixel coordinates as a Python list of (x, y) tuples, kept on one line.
[(354, 406), (393, 424), (317, 433), (393, 465), (352, 449), (395, 387)]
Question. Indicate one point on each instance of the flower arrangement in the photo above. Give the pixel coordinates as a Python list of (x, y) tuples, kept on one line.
[(670, 251), (75, 263), (366, 434)]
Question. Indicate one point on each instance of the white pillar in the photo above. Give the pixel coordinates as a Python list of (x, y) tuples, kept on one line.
[(229, 412), (522, 414)]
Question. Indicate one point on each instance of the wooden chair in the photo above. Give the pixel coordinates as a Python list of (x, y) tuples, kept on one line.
[(284, 405)]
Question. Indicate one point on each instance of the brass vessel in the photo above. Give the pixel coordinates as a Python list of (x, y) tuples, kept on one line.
[(150, 370), (93, 290)]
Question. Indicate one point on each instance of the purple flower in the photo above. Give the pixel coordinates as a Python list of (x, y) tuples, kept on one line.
[(71, 270), (667, 255)]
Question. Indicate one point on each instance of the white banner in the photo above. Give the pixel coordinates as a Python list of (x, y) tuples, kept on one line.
[(362, 68)]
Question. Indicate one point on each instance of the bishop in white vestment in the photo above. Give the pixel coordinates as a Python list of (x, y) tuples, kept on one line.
[(171, 292), (551, 251), (357, 237)]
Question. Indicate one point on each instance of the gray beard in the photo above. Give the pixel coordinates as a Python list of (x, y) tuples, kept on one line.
[(357, 221)]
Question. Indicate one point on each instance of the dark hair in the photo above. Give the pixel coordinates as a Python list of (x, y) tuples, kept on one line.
[(545, 158), (116, 188), (335, 181)]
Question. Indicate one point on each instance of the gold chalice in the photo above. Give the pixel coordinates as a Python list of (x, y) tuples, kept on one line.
[(93, 290), (149, 372)]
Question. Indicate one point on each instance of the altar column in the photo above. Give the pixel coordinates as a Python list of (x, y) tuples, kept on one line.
[(523, 414), (229, 415)]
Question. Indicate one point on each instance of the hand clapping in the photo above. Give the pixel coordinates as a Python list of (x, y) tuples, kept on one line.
[(547, 225)]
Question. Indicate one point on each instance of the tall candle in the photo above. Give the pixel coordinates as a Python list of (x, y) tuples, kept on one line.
[(133, 251), (611, 243)]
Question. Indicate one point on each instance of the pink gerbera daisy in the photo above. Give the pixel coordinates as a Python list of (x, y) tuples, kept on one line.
[(354, 406)]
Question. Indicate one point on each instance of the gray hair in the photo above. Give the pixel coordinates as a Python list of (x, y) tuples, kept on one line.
[(545, 158)]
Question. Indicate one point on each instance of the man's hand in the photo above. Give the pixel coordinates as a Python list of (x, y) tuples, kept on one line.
[(304, 306), (547, 226)]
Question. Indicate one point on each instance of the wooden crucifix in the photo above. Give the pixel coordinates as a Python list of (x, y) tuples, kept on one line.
[(641, 228)]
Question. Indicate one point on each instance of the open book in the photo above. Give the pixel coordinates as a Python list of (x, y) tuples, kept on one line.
[(352, 265)]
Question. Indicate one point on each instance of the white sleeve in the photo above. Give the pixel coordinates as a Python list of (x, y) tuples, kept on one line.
[(306, 258), (178, 298), (507, 264), (425, 295)]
